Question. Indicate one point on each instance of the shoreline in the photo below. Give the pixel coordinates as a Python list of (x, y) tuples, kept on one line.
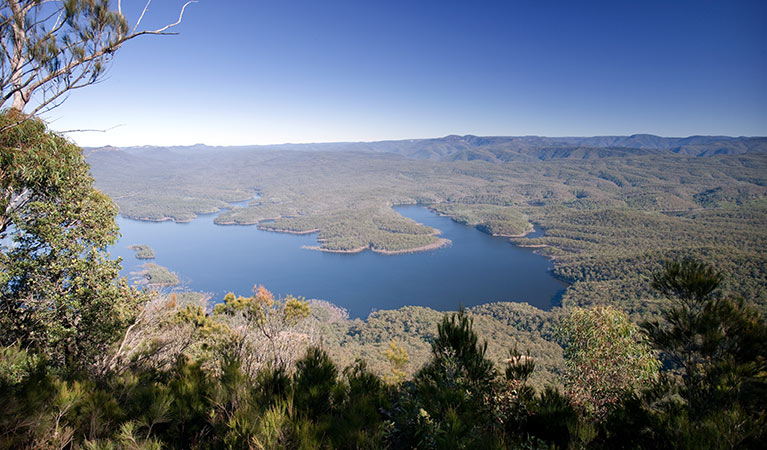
[(532, 245), (248, 223), (476, 226), (150, 219), (441, 242), (532, 230), (327, 250), (160, 219), (316, 230)]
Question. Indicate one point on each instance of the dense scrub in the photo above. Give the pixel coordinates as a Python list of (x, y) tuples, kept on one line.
[(413, 328), (192, 379)]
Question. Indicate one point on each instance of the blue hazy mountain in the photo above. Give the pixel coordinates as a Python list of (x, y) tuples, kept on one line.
[(496, 148)]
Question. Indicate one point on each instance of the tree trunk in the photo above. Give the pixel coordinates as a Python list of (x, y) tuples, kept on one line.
[(17, 60)]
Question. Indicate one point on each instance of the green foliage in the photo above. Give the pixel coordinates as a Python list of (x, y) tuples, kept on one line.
[(551, 417), (315, 381), (15, 365), (61, 295), (689, 281), (503, 324), (398, 358), (519, 367), (458, 345), (445, 404), (716, 345), (607, 358), (128, 438), (361, 410)]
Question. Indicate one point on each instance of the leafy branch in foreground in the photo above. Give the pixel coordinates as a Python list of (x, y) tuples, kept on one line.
[(60, 295), (716, 348), (607, 358)]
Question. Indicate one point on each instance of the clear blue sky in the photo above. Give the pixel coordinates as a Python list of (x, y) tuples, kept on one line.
[(258, 72)]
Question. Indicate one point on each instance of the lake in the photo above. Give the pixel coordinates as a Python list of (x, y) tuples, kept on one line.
[(477, 268)]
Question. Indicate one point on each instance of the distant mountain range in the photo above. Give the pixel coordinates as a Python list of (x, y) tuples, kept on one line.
[(499, 148)]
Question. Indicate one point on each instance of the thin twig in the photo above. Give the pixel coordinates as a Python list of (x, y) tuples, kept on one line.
[(89, 130)]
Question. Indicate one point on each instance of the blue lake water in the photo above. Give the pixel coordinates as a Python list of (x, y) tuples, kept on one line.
[(477, 268)]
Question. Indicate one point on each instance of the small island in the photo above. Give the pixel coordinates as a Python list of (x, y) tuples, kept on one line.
[(158, 276), (143, 251)]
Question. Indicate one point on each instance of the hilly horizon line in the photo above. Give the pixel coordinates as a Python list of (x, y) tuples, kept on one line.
[(446, 137)]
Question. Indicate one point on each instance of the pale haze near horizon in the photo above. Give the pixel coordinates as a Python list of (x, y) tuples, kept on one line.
[(263, 73)]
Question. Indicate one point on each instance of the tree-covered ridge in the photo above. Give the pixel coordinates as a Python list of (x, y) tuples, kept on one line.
[(492, 219), (520, 148), (608, 254), (503, 324)]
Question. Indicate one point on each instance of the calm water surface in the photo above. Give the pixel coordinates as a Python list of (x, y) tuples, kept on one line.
[(477, 268)]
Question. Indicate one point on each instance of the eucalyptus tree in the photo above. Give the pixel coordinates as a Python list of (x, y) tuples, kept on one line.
[(47, 49), (607, 358), (60, 294)]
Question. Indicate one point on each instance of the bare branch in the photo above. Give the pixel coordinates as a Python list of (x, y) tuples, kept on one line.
[(110, 364), (180, 18), (46, 53), (92, 130), (141, 17), (16, 202)]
